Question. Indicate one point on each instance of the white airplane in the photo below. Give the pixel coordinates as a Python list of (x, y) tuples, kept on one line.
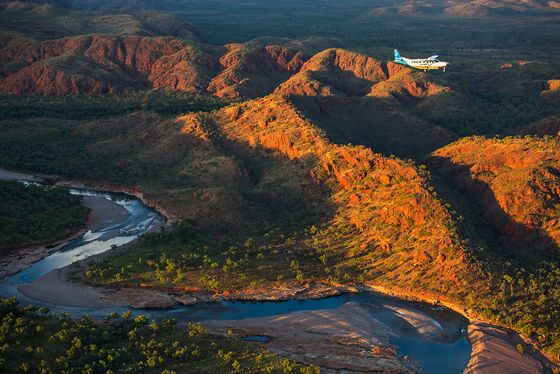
[(430, 63)]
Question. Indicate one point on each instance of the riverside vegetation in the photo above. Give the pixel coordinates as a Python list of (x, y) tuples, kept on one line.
[(36, 214), (34, 340)]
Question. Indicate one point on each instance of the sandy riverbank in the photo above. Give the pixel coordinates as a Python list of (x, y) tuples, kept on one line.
[(90, 185), (494, 351), (103, 213), (346, 339), (54, 289), (493, 345)]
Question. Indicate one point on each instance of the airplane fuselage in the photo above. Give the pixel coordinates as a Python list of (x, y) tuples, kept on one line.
[(423, 64), (430, 63)]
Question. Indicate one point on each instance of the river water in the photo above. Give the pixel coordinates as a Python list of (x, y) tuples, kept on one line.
[(448, 353)]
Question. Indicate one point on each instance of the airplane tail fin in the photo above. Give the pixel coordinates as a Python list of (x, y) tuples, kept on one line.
[(397, 55)]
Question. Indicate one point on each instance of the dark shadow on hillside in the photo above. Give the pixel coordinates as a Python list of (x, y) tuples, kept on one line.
[(374, 123), (280, 192), (496, 234), (229, 188)]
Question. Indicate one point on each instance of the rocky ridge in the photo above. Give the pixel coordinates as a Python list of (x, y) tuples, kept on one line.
[(515, 183), (97, 64), (375, 194)]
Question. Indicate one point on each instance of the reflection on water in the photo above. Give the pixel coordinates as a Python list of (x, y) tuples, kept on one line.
[(141, 219), (447, 355)]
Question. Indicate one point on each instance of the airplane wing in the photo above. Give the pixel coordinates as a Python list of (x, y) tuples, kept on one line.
[(432, 57)]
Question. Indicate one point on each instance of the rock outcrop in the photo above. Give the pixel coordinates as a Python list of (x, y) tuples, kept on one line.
[(338, 73), (105, 64), (97, 64), (373, 123), (516, 184), (386, 200), (254, 70), (552, 87)]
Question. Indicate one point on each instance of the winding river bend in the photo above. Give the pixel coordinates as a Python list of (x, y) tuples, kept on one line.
[(432, 336)]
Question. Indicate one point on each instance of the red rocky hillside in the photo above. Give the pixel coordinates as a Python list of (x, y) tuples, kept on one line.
[(516, 184), (106, 64)]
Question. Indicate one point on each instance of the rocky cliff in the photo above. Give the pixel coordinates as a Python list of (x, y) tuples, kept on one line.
[(108, 64), (516, 184)]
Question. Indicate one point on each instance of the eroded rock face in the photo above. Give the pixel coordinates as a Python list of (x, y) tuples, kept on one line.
[(48, 81), (361, 66), (254, 70), (548, 126), (257, 58), (516, 184), (98, 64), (471, 10), (105, 64), (314, 290), (553, 87), (374, 123)]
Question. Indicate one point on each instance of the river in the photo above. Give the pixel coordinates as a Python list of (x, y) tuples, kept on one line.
[(448, 351)]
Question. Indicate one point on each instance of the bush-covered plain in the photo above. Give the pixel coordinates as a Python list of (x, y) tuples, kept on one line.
[(188, 258), (34, 340)]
